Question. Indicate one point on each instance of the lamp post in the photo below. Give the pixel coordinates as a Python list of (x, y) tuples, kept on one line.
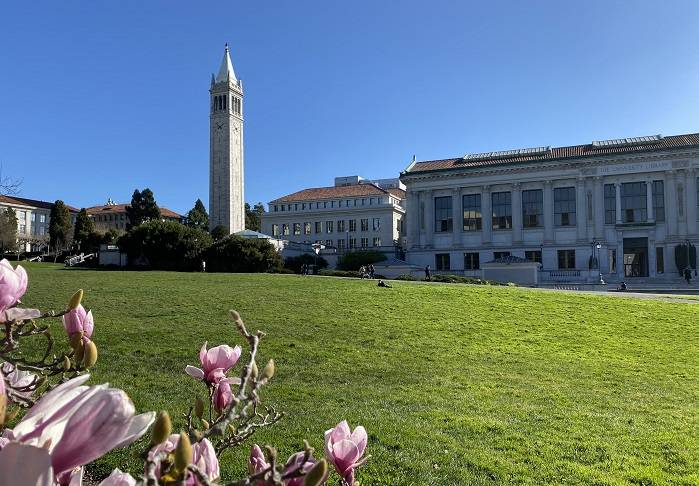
[(316, 250), (596, 245), (687, 243)]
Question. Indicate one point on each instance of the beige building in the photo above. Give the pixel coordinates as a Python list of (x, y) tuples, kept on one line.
[(353, 214), (33, 217), (112, 216)]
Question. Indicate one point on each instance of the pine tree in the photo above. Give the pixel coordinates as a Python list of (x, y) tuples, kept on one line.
[(59, 227), (253, 217), (84, 227), (143, 208), (197, 217), (8, 229)]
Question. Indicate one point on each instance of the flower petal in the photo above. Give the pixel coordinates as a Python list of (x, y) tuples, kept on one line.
[(194, 372), (118, 478), (26, 465)]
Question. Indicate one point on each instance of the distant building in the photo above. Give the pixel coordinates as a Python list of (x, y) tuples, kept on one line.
[(354, 214), (615, 207), (33, 218), (112, 216)]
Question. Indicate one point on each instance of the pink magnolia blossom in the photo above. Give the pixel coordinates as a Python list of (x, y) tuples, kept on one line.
[(296, 463), (118, 478), (25, 465), (203, 456), (77, 424), (78, 320), (345, 449), (257, 463), (223, 395), (214, 363), (18, 380), (13, 284)]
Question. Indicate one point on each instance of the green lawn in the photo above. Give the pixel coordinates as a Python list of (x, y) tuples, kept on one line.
[(455, 384)]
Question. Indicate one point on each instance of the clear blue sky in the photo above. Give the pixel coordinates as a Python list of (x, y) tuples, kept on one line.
[(99, 98)]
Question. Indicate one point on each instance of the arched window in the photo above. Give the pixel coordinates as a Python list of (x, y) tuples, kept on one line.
[(225, 98)]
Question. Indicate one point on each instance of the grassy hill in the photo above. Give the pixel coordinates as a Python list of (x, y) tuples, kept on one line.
[(455, 384)]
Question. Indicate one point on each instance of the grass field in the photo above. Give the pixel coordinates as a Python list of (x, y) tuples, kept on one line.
[(455, 384)]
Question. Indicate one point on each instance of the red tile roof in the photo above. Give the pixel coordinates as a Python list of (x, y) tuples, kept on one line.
[(121, 208), (558, 153), (398, 192), (32, 202), (319, 193)]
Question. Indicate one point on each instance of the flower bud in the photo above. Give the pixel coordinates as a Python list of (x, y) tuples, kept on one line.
[(183, 452), (66, 363), (317, 474), (254, 371), (90, 357), (199, 407), (76, 341), (268, 372), (3, 407), (162, 428), (205, 424), (75, 300)]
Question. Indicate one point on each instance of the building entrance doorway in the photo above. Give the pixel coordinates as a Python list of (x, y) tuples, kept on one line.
[(635, 257)]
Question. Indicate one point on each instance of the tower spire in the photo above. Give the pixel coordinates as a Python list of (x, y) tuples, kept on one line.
[(226, 72)]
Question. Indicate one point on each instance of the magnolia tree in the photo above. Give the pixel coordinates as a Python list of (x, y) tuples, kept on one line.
[(53, 423)]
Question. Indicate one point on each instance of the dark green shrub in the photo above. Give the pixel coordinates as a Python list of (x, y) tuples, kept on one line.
[(410, 278), (294, 263), (237, 254), (355, 259), (339, 273), (166, 245)]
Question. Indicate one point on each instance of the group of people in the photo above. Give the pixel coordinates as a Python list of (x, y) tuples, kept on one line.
[(367, 271), (306, 269)]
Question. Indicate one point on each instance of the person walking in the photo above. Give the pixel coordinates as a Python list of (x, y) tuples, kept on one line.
[(688, 275), (428, 273), (372, 271)]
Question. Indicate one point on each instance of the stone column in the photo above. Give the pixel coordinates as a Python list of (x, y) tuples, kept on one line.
[(649, 202), (548, 212), (486, 215), (681, 198), (457, 217), (670, 203), (617, 190), (598, 207), (580, 209), (412, 211), (652, 264), (429, 218), (517, 222), (620, 256), (692, 201)]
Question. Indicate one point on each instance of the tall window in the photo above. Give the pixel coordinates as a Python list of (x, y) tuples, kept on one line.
[(353, 225), (306, 228), (297, 228), (329, 226), (659, 259), (633, 202), (500, 254), (340, 226), (376, 224), (532, 208), (566, 259), (365, 224), (502, 210), (441, 261), (352, 243), (533, 255), (442, 214), (564, 206), (472, 261), (376, 241), (319, 227), (659, 200), (341, 244), (472, 212), (328, 243), (365, 242), (285, 229), (609, 204)]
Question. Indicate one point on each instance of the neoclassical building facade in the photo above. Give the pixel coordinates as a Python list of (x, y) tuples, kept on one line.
[(615, 207)]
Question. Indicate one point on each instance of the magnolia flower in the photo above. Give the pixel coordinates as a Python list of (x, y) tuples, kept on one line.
[(118, 478), (296, 463), (223, 395), (13, 284), (78, 320), (18, 380), (214, 363), (345, 448), (257, 463), (203, 456), (77, 424)]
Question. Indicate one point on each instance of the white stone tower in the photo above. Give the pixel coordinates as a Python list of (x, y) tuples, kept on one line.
[(226, 178)]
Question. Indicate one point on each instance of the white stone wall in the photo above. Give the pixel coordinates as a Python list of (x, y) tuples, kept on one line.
[(678, 172)]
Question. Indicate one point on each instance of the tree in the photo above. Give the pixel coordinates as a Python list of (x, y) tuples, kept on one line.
[(682, 261), (236, 254), (355, 259), (8, 229), (197, 217), (295, 263), (219, 232), (142, 209), (59, 227), (253, 217), (8, 185), (84, 227)]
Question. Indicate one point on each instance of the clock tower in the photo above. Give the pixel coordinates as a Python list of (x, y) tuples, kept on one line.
[(226, 178)]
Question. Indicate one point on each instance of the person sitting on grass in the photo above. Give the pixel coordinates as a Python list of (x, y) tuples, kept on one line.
[(384, 284)]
